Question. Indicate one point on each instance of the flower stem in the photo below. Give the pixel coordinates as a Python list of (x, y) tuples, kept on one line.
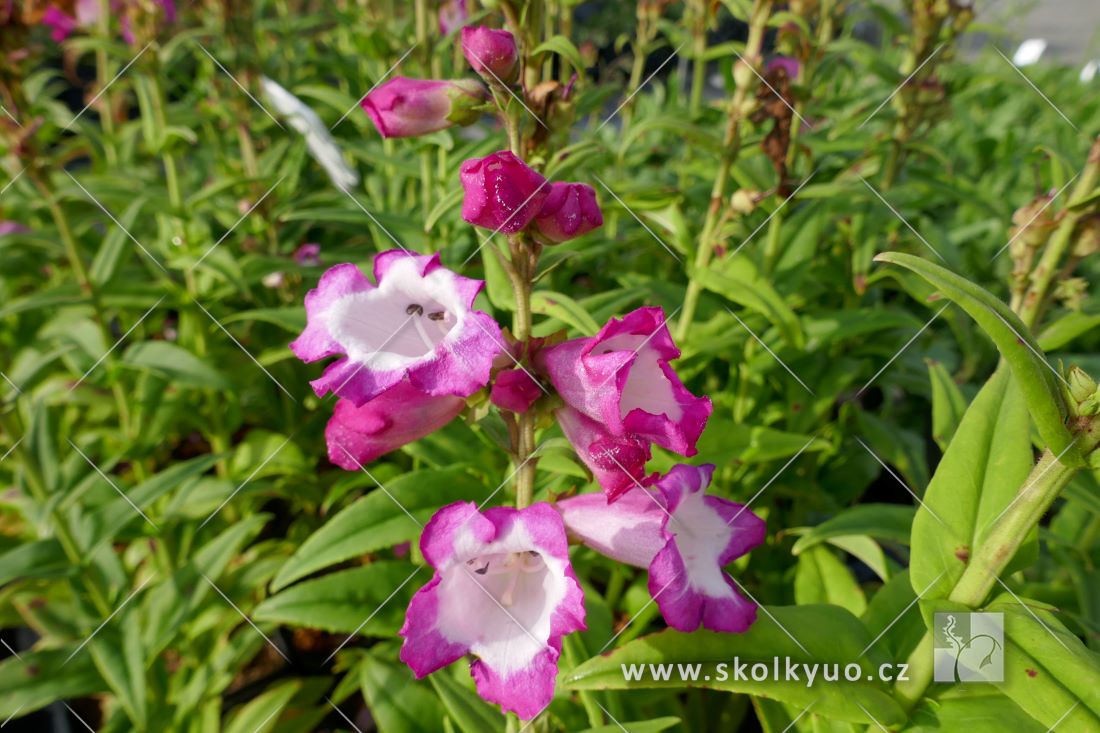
[(525, 254), (1044, 275), (731, 147)]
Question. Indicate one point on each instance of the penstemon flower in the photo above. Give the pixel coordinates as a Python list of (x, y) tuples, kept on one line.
[(358, 435), (501, 192), (417, 323), (685, 539), (491, 53), (404, 107), (616, 461), (620, 379), (569, 211), (504, 591)]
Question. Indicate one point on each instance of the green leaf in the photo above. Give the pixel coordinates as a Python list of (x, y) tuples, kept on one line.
[(1016, 344), (291, 319), (948, 404), (820, 577), (35, 679), (379, 520), (38, 559), (827, 633), (565, 309), (980, 711), (120, 658), (260, 714), (985, 464), (468, 711), (737, 279), (176, 363), (563, 47), (656, 725), (342, 601), (398, 702), (893, 618), (1048, 671), (891, 522)]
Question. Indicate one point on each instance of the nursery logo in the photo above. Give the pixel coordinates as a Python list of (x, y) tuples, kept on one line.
[(969, 647)]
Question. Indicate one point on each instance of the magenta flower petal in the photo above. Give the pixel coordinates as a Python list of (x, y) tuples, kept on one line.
[(630, 530), (569, 211), (404, 107), (358, 435), (501, 192), (616, 461), (621, 379), (515, 390), (504, 591), (418, 323), (61, 24), (705, 533), (491, 53)]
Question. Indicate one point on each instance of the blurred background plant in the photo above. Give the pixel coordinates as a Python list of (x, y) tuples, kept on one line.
[(176, 552)]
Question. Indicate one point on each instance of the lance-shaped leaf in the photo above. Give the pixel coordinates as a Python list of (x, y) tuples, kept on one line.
[(825, 635), (1019, 348)]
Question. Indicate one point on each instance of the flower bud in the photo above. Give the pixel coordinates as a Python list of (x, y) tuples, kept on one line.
[(501, 192), (570, 210), (743, 201), (404, 107), (491, 53), (1088, 237), (452, 14), (1081, 385)]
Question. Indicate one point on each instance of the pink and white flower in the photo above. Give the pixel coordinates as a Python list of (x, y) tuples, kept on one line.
[(616, 461), (621, 380), (491, 53), (358, 435), (684, 537), (417, 323), (404, 107), (569, 211), (502, 192), (504, 591)]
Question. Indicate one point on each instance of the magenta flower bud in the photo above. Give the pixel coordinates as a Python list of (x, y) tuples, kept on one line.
[(404, 107), (308, 255), (788, 64), (502, 192), (570, 210), (358, 435), (491, 53), (515, 390)]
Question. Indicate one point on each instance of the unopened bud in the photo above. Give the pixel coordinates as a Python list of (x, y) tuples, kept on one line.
[(1081, 385), (743, 73), (743, 200), (1088, 237)]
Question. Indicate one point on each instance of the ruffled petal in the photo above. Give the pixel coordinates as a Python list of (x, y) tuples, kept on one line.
[(687, 577), (503, 591), (515, 390), (418, 323)]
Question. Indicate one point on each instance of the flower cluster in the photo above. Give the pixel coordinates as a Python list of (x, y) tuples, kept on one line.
[(85, 14), (411, 348)]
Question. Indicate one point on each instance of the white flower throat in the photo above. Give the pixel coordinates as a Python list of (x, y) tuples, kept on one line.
[(505, 570), (439, 319)]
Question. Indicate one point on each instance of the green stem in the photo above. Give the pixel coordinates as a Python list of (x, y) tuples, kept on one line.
[(103, 73), (731, 147), (1046, 271), (698, 63)]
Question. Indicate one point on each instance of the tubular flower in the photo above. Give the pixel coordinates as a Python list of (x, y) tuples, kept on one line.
[(358, 435), (570, 210), (504, 591), (616, 461), (418, 323), (501, 192), (404, 107), (685, 539), (491, 53), (621, 379)]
